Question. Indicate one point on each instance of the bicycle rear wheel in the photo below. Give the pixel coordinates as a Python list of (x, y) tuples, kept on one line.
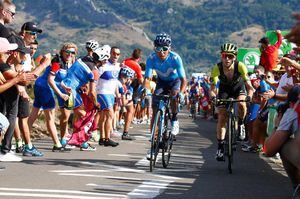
[(229, 142), (167, 144), (155, 132)]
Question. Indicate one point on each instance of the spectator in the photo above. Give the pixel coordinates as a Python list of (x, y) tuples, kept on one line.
[(7, 13), (132, 63), (10, 97), (287, 137), (269, 53)]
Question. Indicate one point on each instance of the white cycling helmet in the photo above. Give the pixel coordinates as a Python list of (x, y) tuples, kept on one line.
[(102, 53), (92, 44)]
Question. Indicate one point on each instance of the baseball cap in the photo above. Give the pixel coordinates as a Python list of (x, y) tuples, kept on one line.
[(294, 94), (31, 26), (21, 45), (6, 46)]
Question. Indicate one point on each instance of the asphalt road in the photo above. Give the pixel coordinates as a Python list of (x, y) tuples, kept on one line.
[(123, 172)]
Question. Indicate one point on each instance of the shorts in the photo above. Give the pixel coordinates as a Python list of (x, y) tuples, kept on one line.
[(148, 101), (165, 87), (263, 114), (4, 124), (106, 101), (253, 111), (231, 91), (44, 98), (23, 108)]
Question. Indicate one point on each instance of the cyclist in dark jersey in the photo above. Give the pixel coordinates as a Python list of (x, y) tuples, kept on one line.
[(234, 83)]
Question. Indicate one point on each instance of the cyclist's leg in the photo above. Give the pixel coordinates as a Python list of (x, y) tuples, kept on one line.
[(224, 93), (174, 88), (241, 93)]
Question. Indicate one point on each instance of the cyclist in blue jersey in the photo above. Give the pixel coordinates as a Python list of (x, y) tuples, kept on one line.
[(171, 78)]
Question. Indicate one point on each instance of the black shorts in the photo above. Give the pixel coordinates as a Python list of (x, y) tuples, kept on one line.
[(231, 91), (23, 108)]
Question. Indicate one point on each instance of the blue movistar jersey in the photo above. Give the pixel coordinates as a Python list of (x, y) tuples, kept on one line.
[(78, 75), (167, 70)]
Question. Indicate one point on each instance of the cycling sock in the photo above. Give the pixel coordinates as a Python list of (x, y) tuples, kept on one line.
[(125, 133), (221, 144), (174, 117), (19, 143), (29, 145), (241, 121)]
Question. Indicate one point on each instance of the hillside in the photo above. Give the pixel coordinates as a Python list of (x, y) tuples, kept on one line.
[(198, 27)]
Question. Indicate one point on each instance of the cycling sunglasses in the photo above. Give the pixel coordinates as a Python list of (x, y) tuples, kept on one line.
[(161, 48), (70, 52), (229, 56), (31, 33)]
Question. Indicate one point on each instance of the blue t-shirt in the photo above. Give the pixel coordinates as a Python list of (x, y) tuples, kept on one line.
[(167, 70)]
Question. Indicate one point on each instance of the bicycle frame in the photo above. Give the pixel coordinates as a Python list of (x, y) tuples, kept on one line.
[(159, 128)]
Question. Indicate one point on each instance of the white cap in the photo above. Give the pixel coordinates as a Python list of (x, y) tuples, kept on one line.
[(6, 46)]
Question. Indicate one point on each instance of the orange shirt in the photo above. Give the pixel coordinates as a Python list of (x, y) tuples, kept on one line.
[(269, 56), (134, 66)]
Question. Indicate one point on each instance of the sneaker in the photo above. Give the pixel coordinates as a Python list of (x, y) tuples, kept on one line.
[(115, 134), (10, 157), (110, 142), (250, 149), (148, 155), (20, 149), (126, 136), (175, 127), (32, 152), (87, 147), (122, 122), (242, 132), (60, 149), (220, 155), (101, 142)]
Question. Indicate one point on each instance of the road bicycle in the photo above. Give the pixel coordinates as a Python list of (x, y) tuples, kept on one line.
[(231, 128), (161, 137)]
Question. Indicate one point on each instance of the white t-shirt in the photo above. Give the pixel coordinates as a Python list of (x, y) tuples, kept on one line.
[(27, 66), (284, 80), (108, 79)]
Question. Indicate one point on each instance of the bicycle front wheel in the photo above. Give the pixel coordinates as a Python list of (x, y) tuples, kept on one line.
[(229, 142), (155, 138), (167, 145)]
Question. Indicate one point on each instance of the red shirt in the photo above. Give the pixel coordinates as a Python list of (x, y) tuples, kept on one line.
[(134, 66), (269, 56)]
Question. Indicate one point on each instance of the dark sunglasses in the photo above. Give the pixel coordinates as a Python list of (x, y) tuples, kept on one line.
[(161, 48), (11, 13), (229, 56), (31, 33), (70, 52)]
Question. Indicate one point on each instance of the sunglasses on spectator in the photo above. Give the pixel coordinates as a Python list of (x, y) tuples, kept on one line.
[(161, 48), (70, 52), (11, 13), (229, 56), (31, 33)]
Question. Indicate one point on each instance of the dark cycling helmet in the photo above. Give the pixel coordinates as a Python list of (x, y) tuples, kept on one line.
[(229, 48), (162, 39), (127, 72)]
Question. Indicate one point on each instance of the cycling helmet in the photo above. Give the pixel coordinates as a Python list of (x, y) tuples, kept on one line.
[(127, 72), (229, 48), (102, 53), (92, 44), (162, 39)]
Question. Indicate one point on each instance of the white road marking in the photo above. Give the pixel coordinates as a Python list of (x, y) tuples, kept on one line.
[(53, 193)]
